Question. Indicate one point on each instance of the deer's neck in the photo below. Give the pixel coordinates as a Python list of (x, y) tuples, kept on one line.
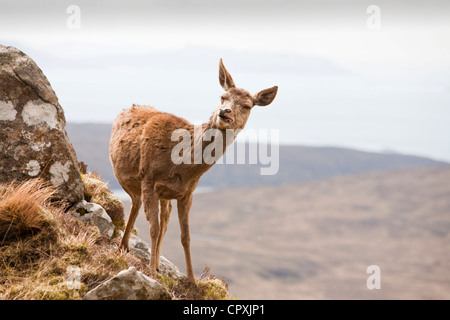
[(208, 144)]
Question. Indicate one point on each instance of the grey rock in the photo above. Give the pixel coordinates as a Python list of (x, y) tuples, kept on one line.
[(168, 268), (94, 214), (141, 249), (129, 285), (33, 140)]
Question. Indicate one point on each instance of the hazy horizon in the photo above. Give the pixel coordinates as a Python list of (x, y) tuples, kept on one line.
[(341, 83)]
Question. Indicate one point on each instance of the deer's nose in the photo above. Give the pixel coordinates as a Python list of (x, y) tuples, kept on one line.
[(223, 111)]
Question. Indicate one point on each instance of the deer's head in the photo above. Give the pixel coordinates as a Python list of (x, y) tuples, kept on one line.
[(236, 104)]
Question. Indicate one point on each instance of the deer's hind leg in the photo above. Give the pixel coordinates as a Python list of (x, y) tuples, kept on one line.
[(166, 208), (151, 209), (135, 206)]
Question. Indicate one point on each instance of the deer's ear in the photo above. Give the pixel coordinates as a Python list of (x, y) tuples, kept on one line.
[(224, 77), (265, 97)]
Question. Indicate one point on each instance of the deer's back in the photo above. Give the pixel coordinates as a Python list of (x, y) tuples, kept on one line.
[(141, 143)]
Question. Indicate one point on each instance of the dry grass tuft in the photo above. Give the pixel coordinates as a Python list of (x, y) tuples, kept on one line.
[(208, 287), (24, 209)]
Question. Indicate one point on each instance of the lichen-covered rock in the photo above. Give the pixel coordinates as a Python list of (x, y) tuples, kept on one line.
[(33, 140), (129, 285)]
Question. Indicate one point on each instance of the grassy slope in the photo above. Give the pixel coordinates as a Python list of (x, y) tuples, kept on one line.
[(40, 243)]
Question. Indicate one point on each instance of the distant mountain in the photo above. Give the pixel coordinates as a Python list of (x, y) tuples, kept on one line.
[(296, 163)]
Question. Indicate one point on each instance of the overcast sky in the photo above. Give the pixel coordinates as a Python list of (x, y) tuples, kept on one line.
[(346, 76)]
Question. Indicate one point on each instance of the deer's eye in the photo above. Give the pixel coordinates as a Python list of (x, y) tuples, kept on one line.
[(247, 107), (223, 99)]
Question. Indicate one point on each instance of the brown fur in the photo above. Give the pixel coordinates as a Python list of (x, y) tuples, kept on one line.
[(140, 152)]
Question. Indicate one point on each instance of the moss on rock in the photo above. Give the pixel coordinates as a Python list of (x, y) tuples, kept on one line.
[(97, 191)]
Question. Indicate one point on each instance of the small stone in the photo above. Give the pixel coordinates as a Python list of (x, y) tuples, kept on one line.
[(94, 214)]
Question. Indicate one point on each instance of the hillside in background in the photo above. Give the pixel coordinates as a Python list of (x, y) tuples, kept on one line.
[(311, 231), (297, 163)]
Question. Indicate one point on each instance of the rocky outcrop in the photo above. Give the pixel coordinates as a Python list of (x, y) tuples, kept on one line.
[(129, 284), (94, 214), (33, 140)]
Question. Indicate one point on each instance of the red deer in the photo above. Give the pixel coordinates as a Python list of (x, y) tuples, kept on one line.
[(141, 155)]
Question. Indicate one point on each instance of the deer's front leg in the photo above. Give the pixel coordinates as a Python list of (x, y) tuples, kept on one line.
[(151, 209), (184, 206)]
